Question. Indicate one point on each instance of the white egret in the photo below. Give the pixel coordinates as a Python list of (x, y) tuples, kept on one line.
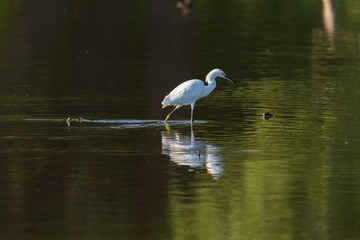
[(190, 91)]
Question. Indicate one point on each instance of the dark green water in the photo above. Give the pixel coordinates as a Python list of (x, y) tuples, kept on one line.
[(123, 174)]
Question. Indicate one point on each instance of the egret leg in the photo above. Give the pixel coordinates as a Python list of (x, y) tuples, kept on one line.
[(192, 116), (192, 112), (167, 117)]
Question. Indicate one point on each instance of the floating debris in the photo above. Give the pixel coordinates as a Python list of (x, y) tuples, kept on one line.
[(117, 123), (68, 121), (79, 120), (267, 115)]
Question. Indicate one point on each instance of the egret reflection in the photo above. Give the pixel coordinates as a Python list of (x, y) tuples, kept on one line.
[(193, 152)]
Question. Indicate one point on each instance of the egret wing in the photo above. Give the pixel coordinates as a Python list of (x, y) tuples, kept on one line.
[(184, 94)]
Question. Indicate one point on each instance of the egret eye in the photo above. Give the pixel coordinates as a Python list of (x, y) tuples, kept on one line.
[(223, 74)]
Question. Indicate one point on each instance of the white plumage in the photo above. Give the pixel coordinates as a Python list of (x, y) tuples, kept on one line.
[(185, 93), (190, 91)]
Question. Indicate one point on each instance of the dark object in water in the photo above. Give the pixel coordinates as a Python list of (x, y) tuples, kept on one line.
[(267, 115)]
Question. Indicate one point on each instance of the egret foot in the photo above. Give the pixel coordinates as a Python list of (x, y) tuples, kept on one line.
[(167, 117)]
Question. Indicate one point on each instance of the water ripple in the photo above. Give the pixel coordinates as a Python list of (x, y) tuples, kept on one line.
[(120, 123)]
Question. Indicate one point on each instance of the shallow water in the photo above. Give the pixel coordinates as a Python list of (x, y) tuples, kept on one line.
[(122, 173)]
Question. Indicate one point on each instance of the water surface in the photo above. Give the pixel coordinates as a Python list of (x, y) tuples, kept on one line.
[(121, 173)]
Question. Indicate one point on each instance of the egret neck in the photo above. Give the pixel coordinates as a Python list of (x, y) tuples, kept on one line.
[(210, 84)]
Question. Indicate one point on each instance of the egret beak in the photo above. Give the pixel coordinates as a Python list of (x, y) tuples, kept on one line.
[(226, 77)]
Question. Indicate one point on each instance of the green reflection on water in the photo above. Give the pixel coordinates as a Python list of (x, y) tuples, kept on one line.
[(288, 189), (293, 176)]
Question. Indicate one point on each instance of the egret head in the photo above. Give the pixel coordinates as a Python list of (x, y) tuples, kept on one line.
[(219, 73)]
